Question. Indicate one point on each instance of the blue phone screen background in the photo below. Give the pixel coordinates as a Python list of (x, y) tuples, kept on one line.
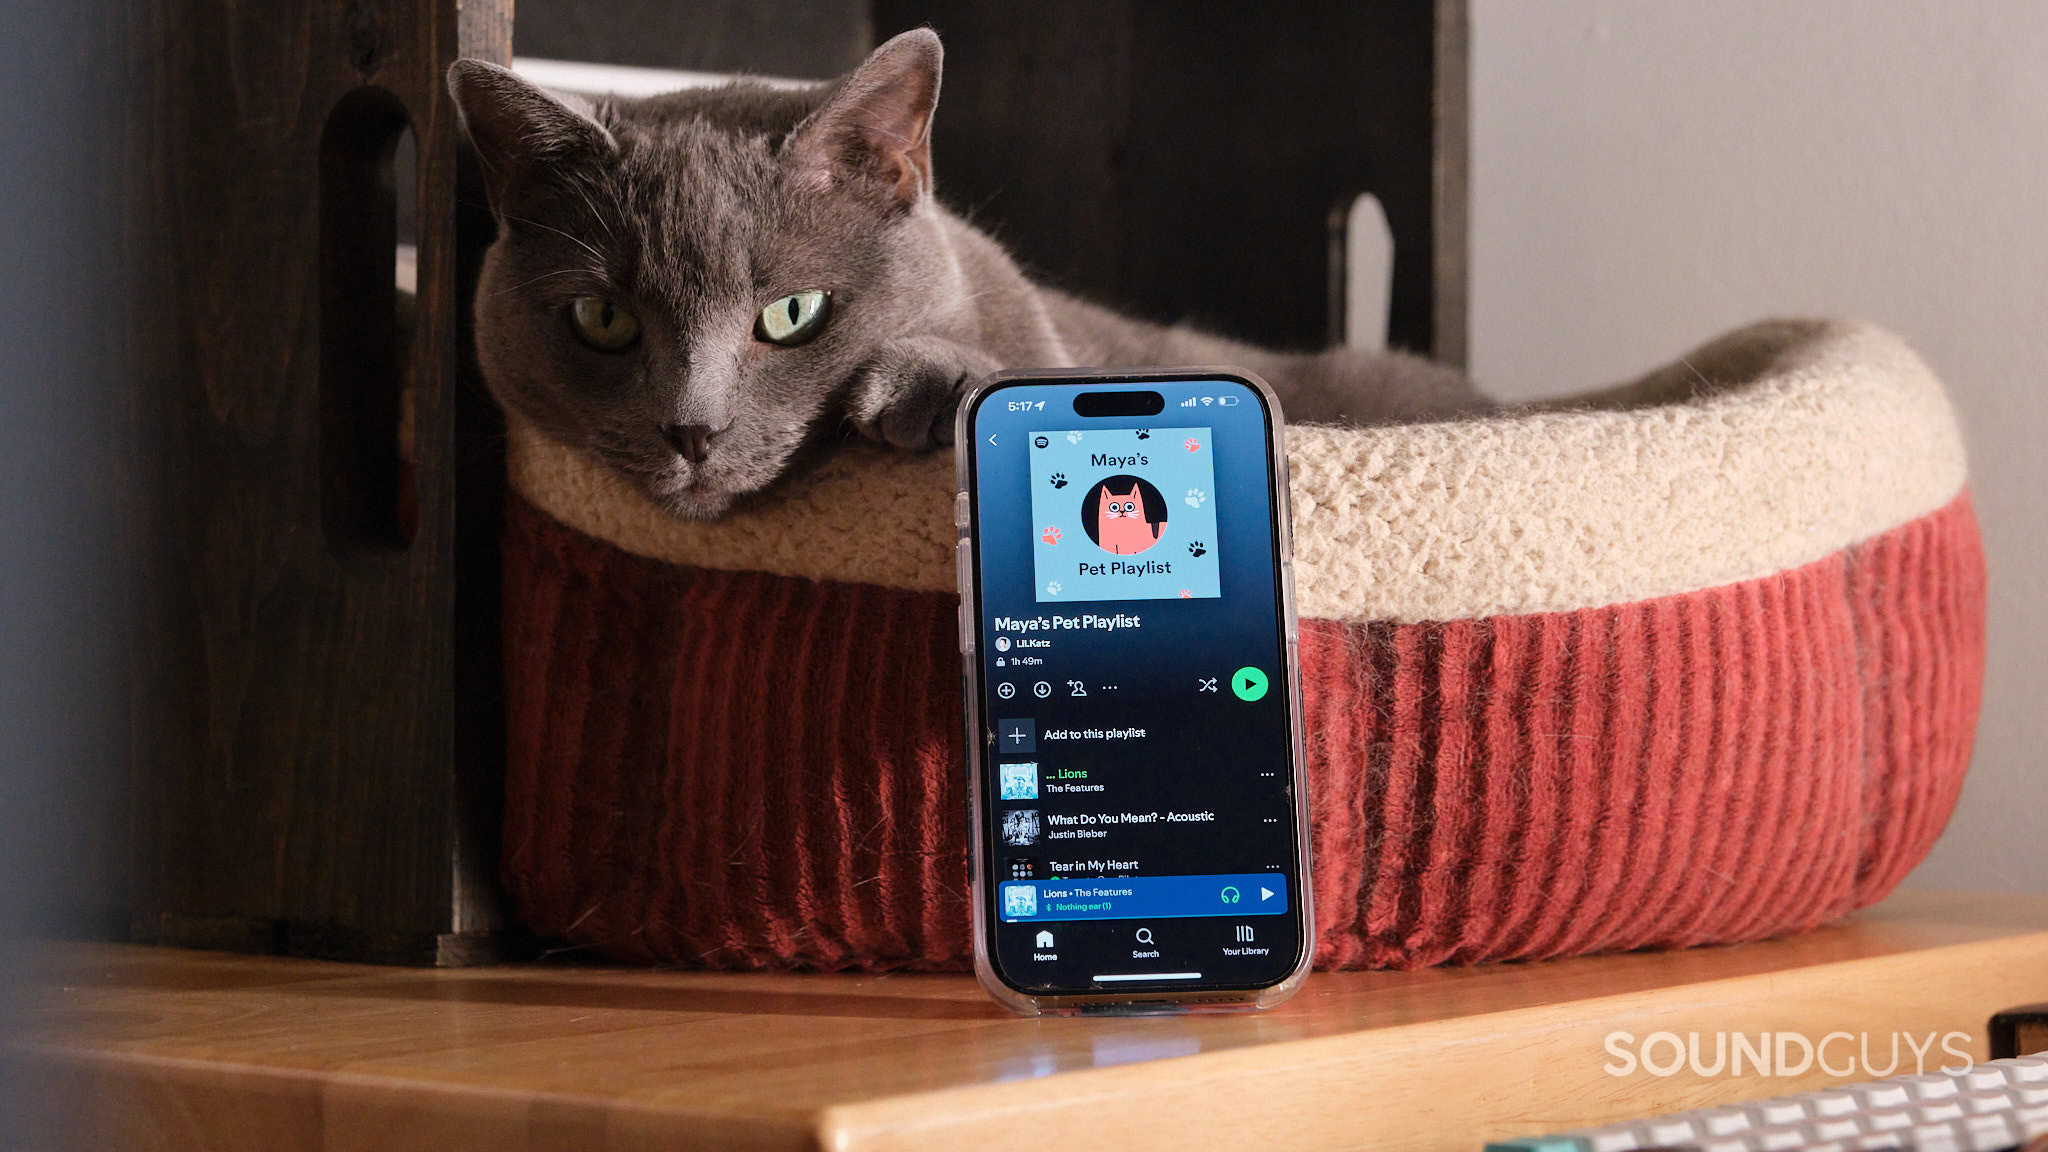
[(1216, 763)]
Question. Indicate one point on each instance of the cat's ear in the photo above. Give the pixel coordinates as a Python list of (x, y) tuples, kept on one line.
[(874, 129), (522, 131)]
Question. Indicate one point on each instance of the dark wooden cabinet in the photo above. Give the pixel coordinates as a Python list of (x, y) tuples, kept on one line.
[(796, 39), (313, 681), (1193, 161)]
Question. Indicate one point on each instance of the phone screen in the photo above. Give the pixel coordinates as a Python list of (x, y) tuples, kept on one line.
[(1139, 806)]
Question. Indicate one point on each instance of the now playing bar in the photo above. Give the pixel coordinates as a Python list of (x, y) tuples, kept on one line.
[(1145, 897)]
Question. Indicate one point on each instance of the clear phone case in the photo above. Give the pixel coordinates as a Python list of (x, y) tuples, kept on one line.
[(1141, 1003)]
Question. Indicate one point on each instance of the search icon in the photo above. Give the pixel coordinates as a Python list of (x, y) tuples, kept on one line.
[(1144, 935)]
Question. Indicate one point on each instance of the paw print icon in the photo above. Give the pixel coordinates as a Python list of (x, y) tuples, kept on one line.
[(1197, 548), (1051, 535), (1053, 588), (1187, 594), (1073, 437), (1144, 433), (1195, 497), (1193, 445), (1059, 480)]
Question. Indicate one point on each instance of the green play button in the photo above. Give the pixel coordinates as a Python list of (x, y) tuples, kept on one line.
[(1248, 683)]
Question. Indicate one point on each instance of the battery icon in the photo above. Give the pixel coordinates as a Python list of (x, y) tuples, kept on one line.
[(1226, 401)]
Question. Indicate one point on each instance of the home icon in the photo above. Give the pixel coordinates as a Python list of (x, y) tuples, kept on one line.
[(1045, 939)]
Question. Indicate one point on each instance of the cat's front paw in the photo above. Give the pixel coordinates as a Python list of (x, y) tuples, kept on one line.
[(907, 394)]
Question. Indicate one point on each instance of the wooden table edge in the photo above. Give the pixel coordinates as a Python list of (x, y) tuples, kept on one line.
[(977, 1114)]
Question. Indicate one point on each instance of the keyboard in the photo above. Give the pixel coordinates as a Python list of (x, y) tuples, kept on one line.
[(1983, 1108)]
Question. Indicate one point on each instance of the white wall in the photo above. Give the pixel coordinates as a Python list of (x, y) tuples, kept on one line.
[(1647, 174)]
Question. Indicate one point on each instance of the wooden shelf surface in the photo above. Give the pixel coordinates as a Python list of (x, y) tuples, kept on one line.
[(145, 1048)]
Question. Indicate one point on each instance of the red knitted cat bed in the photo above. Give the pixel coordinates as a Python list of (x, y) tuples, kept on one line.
[(1699, 662)]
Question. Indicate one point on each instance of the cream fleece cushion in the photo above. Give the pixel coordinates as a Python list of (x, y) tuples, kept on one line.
[(1766, 449)]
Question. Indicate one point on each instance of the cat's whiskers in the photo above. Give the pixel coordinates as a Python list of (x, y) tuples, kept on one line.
[(585, 244), (583, 193), (987, 292), (557, 272), (1705, 384)]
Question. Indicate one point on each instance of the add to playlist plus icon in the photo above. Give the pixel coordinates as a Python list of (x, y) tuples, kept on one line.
[(1016, 736)]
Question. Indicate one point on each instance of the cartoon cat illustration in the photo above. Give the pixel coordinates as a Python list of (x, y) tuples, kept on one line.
[(1124, 515)]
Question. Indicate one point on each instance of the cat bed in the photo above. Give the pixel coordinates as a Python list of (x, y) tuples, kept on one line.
[(1696, 661)]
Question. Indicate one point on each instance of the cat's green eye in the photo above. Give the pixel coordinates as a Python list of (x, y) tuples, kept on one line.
[(794, 319), (602, 324)]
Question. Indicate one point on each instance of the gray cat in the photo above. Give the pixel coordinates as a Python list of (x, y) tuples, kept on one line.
[(703, 288)]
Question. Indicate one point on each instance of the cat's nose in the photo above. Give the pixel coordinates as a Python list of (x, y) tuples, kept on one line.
[(691, 441)]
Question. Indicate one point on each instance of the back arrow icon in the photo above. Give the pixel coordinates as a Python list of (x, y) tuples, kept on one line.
[(991, 439)]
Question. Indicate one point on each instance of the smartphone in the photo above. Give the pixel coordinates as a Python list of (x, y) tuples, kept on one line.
[(1137, 794)]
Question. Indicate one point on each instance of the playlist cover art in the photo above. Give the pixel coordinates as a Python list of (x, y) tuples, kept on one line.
[(1123, 514)]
